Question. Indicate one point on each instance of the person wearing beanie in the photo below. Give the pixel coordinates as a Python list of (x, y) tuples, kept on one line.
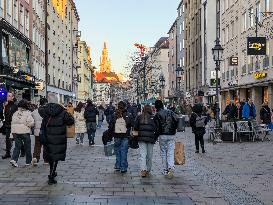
[(37, 126), (168, 124)]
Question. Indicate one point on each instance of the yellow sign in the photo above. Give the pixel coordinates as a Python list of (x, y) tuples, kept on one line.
[(259, 75), (39, 86), (60, 7)]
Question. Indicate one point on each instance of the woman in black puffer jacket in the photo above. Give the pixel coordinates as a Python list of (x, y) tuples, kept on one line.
[(147, 128)]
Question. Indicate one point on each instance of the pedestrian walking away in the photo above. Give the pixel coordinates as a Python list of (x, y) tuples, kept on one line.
[(168, 127), (37, 126), (101, 116), (21, 124), (147, 128), (110, 110), (120, 128), (55, 120), (198, 122), (80, 125), (9, 109)]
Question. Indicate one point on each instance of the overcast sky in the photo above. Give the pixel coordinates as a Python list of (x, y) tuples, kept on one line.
[(121, 23)]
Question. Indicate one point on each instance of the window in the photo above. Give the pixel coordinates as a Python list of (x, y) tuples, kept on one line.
[(21, 18), (183, 8), (227, 34), (27, 22), (251, 17), (244, 21), (180, 29), (266, 5), (223, 36), (183, 61), (232, 29), (258, 5), (183, 43), (180, 46), (15, 13), (227, 4)]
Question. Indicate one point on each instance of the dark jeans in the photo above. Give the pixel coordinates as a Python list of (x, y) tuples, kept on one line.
[(9, 142), (53, 166), (91, 130), (121, 150), (22, 140), (199, 138), (37, 149)]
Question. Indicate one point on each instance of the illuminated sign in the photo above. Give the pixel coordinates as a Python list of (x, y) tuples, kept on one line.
[(259, 75), (256, 46), (233, 61)]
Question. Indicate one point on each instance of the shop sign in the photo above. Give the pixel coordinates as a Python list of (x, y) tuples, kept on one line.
[(233, 61), (213, 74), (259, 75), (256, 46)]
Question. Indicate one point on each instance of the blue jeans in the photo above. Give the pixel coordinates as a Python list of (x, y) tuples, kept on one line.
[(79, 137), (121, 150), (99, 124), (167, 145), (22, 140), (91, 130)]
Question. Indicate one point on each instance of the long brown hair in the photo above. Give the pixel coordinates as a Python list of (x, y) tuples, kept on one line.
[(121, 109), (146, 114)]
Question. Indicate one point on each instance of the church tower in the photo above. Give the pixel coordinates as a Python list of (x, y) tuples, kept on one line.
[(105, 62)]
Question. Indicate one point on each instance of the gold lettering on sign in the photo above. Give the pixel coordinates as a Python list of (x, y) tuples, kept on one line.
[(259, 75)]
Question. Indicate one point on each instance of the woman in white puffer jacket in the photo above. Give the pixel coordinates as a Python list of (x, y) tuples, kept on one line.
[(21, 124), (80, 125)]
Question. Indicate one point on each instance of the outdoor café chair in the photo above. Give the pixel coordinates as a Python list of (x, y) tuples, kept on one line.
[(229, 128), (244, 128)]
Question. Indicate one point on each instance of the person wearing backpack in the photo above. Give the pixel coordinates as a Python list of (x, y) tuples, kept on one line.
[(168, 124), (147, 128), (120, 128), (198, 122)]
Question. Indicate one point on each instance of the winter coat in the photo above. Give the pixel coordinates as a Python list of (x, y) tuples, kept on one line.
[(10, 109), (231, 112), (70, 129), (80, 125), (22, 122), (37, 122), (110, 110), (197, 130), (101, 115), (57, 119), (247, 112), (147, 132), (166, 127), (90, 113), (265, 114), (129, 124)]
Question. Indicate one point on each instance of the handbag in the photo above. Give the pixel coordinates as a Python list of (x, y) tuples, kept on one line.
[(179, 154), (42, 133), (109, 149), (133, 143)]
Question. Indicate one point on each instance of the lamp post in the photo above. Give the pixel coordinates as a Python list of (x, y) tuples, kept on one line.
[(162, 85), (217, 52)]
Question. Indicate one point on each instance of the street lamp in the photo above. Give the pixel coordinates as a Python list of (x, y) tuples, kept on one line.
[(179, 72), (217, 53), (162, 85)]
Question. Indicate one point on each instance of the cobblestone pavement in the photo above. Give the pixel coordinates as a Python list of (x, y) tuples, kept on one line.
[(229, 173)]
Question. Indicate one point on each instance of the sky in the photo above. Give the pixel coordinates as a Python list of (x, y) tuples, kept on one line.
[(121, 23)]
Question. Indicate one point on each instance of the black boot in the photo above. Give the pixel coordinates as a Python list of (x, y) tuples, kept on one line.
[(93, 142), (51, 180), (90, 142), (203, 149)]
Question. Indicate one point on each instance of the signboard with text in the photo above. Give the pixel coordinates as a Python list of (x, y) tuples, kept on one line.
[(233, 61), (256, 46)]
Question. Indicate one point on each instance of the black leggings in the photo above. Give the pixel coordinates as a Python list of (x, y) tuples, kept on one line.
[(53, 167), (199, 138)]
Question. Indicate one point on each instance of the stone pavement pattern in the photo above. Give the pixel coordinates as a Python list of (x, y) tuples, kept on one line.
[(227, 174)]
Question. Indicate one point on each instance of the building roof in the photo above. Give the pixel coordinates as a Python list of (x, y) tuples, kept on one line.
[(174, 24), (163, 42), (181, 2)]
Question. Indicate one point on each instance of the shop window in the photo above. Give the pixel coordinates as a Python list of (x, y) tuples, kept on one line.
[(265, 94), (5, 56)]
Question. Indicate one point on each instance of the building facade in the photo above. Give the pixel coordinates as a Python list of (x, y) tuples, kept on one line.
[(84, 72), (38, 46), (62, 21), (102, 93), (180, 48), (208, 31), (172, 61), (15, 42), (193, 50), (250, 76)]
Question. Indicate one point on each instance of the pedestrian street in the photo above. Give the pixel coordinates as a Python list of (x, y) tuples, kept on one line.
[(228, 173)]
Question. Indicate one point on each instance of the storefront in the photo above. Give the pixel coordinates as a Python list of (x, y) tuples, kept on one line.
[(15, 71)]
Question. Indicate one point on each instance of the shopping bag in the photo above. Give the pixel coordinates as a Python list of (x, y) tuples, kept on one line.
[(70, 131), (179, 154), (109, 149)]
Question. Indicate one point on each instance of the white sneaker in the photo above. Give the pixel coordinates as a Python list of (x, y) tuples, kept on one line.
[(13, 163), (34, 162), (170, 173), (27, 165), (82, 143)]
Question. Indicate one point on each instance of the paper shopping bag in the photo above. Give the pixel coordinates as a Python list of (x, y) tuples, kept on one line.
[(179, 154)]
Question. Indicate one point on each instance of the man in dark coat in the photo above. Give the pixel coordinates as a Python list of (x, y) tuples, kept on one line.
[(265, 114), (9, 110), (110, 110), (55, 119), (91, 115), (231, 111)]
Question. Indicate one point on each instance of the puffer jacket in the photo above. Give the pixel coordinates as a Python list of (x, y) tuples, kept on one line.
[(80, 125), (129, 124), (90, 113), (37, 122), (168, 122), (147, 132), (22, 121), (56, 118)]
